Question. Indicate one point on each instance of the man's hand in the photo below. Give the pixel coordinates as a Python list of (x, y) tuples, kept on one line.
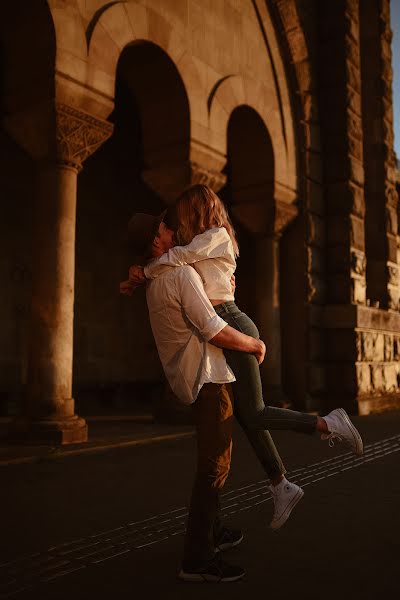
[(231, 339), (136, 275), (233, 284), (260, 352), (126, 287)]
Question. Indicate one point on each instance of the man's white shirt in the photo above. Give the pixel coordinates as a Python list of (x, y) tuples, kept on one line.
[(183, 320)]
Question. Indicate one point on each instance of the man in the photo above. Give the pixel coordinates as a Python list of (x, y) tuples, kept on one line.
[(189, 336)]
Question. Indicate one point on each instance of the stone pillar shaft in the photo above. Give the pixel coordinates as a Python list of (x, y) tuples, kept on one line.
[(380, 192), (267, 306), (70, 137), (342, 135), (49, 391)]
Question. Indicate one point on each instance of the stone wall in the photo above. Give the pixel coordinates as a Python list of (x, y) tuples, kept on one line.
[(318, 275)]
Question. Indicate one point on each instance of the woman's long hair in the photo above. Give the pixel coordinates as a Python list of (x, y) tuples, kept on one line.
[(197, 209)]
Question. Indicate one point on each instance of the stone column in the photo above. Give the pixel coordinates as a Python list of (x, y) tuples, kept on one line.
[(343, 147), (269, 300), (379, 159), (267, 307), (342, 138), (48, 414)]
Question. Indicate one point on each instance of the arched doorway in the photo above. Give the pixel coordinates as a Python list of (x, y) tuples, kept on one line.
[(249, 194), (115, 355)]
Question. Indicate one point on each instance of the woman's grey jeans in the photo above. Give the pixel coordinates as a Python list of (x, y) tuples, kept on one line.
[(253, 415)]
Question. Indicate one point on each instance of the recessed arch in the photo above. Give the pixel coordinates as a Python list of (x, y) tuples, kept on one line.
[(235, 91), (150, 74)]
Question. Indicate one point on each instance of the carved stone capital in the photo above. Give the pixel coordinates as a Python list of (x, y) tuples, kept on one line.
[(53, 131), (169, 180), (358, 263), (214, 179), (284, 215), (392, 273), (78, 135)]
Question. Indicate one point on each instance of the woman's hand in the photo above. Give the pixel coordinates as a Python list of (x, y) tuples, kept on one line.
[(136, 275)]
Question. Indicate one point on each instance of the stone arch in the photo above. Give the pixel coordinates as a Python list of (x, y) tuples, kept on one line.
[(234, 91), (249, 195), (131, 172), (251, 170), (122, 24), (165, 125), (70, 32)]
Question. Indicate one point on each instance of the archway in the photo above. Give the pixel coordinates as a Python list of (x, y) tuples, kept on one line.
[(114, 349), (249, 194)]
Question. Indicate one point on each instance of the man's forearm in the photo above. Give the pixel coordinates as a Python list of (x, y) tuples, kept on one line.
[(231, 339)]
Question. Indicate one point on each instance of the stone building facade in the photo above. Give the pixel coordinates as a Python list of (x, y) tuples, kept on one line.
[(284, 107)]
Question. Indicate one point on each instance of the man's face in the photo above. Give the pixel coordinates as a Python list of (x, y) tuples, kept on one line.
[(163, 241)]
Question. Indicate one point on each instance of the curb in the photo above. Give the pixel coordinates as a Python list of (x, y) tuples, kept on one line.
[(95, 449)]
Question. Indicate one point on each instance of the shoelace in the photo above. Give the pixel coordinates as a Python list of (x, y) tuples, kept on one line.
[(332, 437)]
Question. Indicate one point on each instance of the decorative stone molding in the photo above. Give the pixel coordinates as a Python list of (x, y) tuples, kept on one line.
[(169, 180), (358, 263), (199, 174), (393, 273), (284, 215), (391, 219), (78, 135)]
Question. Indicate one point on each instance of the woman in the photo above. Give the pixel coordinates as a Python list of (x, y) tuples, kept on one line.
[(208, 243)]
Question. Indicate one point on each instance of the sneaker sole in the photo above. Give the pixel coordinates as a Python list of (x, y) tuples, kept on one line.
[(203, 578), (228, 545), (359, 447), (286, 514)]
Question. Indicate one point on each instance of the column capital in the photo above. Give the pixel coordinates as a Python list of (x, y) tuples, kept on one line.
[(78, 135), (284, 215), (169, 180), (57, 132), (206, 176)]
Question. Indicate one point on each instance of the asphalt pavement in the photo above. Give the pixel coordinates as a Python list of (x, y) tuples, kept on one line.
[(110, 524)]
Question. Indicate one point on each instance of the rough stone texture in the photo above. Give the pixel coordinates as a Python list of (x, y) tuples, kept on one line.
[(381, 198), (284, 106)]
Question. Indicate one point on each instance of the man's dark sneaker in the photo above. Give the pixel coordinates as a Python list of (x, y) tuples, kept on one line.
[(214, 571), (228, 538)]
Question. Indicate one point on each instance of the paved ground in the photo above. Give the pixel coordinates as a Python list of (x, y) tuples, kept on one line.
[(110, 525)]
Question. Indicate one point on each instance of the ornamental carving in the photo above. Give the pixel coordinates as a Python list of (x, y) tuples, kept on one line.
[(214, 179), (284, 215), (391, 194), (391, 221), (79, 135), (393, 274), (358, 263)]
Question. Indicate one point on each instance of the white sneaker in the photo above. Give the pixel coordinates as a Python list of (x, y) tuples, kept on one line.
[(285, 495), (342, 429)]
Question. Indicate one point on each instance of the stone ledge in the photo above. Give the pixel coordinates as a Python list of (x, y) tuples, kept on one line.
[(378, 404), (352, 316)]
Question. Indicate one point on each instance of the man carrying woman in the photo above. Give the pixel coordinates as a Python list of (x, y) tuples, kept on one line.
[(208, 243)]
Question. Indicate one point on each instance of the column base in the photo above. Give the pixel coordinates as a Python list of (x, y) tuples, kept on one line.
[(275, 396), (72, 430)]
